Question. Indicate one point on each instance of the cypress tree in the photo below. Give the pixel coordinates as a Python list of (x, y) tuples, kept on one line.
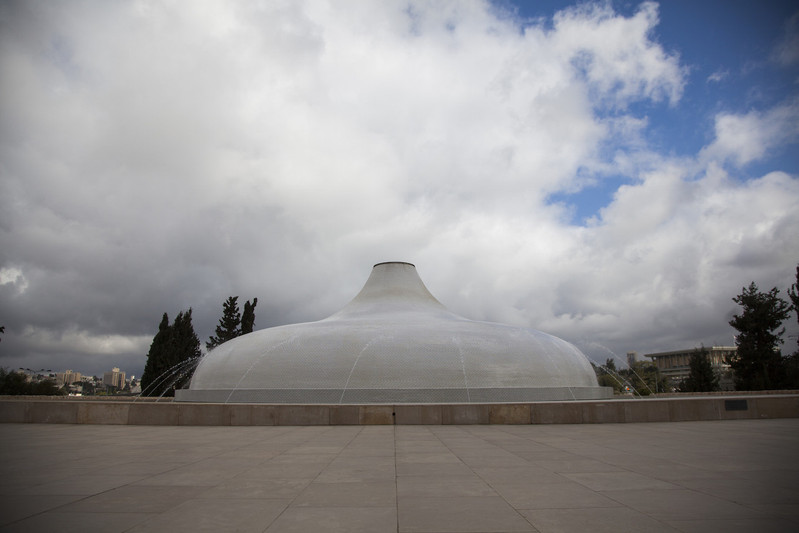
[(228, 327), (168, 362), (186, 347), (156, 357), (248, 316)]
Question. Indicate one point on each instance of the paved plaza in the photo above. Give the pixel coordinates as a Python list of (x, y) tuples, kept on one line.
[(725, 476)]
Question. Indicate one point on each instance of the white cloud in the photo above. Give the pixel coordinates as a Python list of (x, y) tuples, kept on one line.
[(718, 76), (742, 139), (681, 245), (786, 53), (78, 341), (13, 276), (617, 54), (159, 157)]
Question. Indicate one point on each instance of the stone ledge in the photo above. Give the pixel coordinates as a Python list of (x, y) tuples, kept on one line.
[(673, 409)]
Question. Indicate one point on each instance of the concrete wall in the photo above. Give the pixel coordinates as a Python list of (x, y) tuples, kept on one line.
[(59, 411)]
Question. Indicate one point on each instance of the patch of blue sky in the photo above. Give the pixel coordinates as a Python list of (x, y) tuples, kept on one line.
[(727, 48), (583, 207)]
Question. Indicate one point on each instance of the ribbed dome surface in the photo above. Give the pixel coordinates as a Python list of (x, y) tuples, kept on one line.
[(393, 343)]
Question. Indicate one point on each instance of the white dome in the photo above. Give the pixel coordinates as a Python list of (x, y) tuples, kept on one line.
[(393, 343)]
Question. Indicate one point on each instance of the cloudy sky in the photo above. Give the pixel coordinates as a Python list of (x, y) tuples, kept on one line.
[(611, 173)]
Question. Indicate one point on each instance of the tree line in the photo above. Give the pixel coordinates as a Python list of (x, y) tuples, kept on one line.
[(642, 378), (758, 363), (175, 350), (16, 383)]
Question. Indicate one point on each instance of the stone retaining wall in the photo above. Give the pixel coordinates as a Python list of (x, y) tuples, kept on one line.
[(59, 411)]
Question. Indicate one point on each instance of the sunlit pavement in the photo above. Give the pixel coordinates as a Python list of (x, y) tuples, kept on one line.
[(687, 476)]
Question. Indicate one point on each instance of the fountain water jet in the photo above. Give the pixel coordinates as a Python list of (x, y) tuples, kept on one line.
[(171, 376)]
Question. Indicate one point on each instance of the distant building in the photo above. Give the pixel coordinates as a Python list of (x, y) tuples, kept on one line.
[(67, 377), (675, 365), (632, 357), (115, 378)]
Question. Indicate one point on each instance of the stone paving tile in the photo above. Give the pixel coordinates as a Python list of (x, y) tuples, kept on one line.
[(437, 469), (459, 514), (552, 496), (76, 522), (575, 465), (369, 450), (215, 516), (350, 473), (743, 491), (786, 477), (618, 481), (134, 499), (408, 441), (17, 507), (605, 520), (363, 494), (336, 520), (671, 471), (730, 466), (432, 486), (302, 458), (493, 459), (191, 476), (740, 525), (525, 474), (316, 450), (34, 473), (283, 471), (790, 511), (267, 488), (446, 457), (253, 454), (679, 504), (136, 468), (80, 484), (374, 460)]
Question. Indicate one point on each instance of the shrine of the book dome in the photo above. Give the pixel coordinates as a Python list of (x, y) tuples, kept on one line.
[(393, 343)]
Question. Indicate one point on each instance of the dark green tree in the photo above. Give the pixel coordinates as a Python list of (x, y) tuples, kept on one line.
[(87, 388), (793, 294), (157, 356), (607, 376), (16, 383), (228, 327), (248, 316), (13, 383), (646, 379), (792, 361), (47, 387), (758, 363), (701, 377), (186, 349), (170, 361)]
